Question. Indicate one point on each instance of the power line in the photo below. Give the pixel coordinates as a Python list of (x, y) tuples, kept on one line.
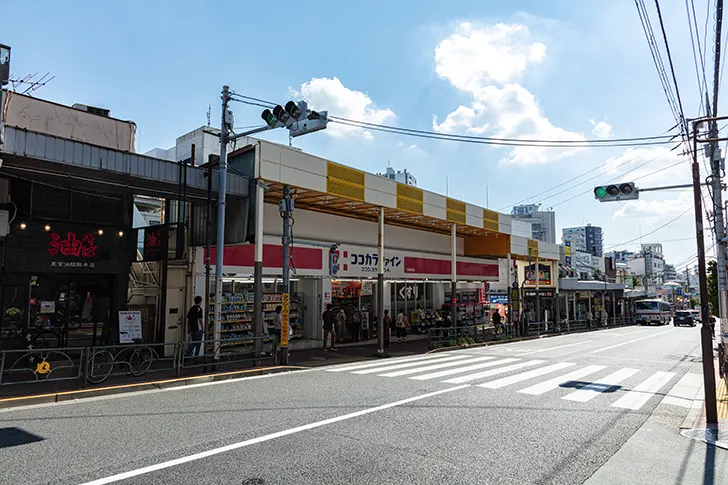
[(617, 142), (577, 177), (653, 231)]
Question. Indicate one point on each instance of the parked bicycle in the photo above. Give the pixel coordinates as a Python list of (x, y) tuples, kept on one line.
[(134, 361)]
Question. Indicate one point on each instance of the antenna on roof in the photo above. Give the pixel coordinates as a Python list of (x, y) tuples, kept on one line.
[(28, 85), (209, 109)]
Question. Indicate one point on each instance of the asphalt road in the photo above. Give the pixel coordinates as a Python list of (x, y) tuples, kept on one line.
[(567, 409)]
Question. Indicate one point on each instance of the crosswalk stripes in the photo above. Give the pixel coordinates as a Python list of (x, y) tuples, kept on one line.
[(492, 372), (439, 365), (637, 397), (406, 364), (623, 388), (551, 384), (507, 381), (592, 390), (460, 370), (367, 365)]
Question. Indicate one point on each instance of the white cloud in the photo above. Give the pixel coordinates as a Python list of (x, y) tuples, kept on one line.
[(510, 112), (478, 60), (650, 167), (330, 94), (474, 57), (655, 211), (410, 149), (601, 129)]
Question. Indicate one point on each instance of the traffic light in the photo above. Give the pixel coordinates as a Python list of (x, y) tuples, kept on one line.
[(616, 192), (296, 117)]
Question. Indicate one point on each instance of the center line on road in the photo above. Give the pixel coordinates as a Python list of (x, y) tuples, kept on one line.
[(262, 439), (628, 342), (557, 347)]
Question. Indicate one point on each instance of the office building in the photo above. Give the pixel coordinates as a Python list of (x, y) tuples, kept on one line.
[(543, 223), (587, 238)]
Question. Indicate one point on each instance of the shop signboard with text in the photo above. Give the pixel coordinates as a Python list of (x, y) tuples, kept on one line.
[(527, 274), (68, 248)]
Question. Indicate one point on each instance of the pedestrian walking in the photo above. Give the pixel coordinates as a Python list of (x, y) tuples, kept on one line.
[(496, 322), (401, 322), (387, 328), (340, 320), (195, 326), (276, 332), (328, 319)]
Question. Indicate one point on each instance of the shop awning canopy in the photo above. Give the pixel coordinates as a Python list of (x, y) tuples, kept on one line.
[(325, 186)]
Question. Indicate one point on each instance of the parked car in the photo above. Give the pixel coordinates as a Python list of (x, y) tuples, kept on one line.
[(683, 317)]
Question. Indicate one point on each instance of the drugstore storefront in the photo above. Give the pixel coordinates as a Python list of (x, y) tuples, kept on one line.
[(416, 283)]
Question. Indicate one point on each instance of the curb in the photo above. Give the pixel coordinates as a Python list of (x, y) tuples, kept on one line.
[(520, 339), (62, 396)]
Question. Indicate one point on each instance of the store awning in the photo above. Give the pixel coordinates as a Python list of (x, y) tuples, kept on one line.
[(324, 186)]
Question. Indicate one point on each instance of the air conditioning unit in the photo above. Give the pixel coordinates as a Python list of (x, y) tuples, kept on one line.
[(93, 110)]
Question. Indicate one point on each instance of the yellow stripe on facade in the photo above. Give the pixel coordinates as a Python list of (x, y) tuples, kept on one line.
[(490, 220), (344, 181), (410, 199)]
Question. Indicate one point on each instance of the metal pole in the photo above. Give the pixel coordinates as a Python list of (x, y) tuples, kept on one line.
[(509, 283), (380, 282), (208, 252), (711, 411), (538, 296), (286, 211), (221, 196), (454, 275), (258, 327)]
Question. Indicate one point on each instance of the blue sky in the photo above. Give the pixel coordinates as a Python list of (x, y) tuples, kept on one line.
[(529, 69)]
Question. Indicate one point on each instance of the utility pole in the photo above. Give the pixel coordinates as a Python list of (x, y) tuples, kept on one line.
[(225, 125), (706, 340), (286, 209)]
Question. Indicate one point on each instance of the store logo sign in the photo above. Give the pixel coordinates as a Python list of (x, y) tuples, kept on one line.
[(333, 262), (72, 246)]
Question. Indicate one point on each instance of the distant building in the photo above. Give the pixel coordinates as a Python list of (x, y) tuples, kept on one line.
[(669, 273), (543, 223), (587, 239), (401, 176), (621, 256)]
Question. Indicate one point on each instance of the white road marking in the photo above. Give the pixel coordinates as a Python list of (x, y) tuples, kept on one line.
[(589, 392), (637, 397), (652, 335), (556, 382), (507, 381), (557, 347), (262, 439), (417, 370), (408, 364), (460, 370), (383, 362), (492, 372), (685, 391)]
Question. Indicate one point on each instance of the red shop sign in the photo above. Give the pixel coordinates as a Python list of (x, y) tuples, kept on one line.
[(73, 246)]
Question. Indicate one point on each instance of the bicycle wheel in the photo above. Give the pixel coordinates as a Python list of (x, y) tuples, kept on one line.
[(141, 360), (100, 367)]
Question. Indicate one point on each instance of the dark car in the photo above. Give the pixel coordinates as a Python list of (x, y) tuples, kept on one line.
[(683, 318)]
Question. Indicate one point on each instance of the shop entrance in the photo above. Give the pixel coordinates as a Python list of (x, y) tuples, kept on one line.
[(50, 310)]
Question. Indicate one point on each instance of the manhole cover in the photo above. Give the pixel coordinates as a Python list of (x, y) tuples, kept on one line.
[(254, 481), (712, 436)]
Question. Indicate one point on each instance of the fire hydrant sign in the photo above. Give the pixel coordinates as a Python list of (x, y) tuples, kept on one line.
[(130, 326), (285, 297)]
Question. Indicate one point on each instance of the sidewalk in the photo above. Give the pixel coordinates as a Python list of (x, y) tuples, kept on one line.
[(347, 352)]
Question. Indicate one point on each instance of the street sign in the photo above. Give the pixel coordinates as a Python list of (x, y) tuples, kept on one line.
[(285, 298)]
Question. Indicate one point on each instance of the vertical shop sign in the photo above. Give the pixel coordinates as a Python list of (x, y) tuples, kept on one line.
[(156, 240), (285, 300), (567, 254)]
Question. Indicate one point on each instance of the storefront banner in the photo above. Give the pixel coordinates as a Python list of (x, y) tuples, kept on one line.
[(567, 254), (357, 262), (69, 248), (367, 288), (130, 326), (498, 299), (544, 274), (346, 289)]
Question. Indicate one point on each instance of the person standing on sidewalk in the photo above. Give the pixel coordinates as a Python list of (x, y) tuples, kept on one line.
[(387, 328), (401, 322), (195, 326), (340, 320), (328, 319)]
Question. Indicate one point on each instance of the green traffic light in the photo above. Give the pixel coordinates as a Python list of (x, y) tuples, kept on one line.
[(600, 192)]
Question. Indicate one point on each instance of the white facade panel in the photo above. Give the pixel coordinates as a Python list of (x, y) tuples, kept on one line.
[(519, 245), (505, 223), (521, 228), (435, 205), (380, 191), (473, 215)]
